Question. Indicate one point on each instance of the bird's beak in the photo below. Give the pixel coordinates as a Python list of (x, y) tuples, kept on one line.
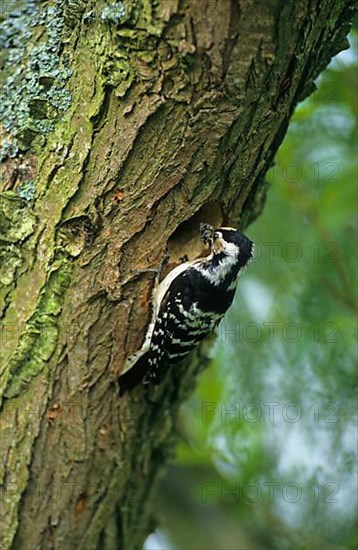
[(218, 246)]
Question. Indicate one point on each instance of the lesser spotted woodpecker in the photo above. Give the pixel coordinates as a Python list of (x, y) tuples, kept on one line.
[(188, 304)]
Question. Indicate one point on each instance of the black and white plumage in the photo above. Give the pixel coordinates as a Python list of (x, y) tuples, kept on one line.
[(188, 304)]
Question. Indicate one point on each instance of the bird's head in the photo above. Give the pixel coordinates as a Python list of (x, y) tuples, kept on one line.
[(227, 241)]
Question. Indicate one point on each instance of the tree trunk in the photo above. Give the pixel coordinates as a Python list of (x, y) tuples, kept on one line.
[(160, 115)]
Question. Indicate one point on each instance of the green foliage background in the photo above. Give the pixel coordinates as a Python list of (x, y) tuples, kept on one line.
[(267, 454)]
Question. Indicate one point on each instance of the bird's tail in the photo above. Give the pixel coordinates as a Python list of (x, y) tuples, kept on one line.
[(132, 377)]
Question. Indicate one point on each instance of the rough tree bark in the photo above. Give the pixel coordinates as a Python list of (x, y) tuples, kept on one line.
[(159, 113)]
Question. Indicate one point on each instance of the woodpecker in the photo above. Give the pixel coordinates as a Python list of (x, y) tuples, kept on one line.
[(188, 304)]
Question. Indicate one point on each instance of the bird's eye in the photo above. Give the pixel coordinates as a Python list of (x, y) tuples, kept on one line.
[(216, 234)]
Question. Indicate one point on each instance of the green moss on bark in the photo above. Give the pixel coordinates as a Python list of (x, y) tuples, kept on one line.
[(39, 339), (34, 92)]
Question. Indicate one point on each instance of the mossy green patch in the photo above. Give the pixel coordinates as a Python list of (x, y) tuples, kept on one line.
[(113, 12), (27, 190), (10, 261), (17, 222), (38, 342), (34, 73)]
